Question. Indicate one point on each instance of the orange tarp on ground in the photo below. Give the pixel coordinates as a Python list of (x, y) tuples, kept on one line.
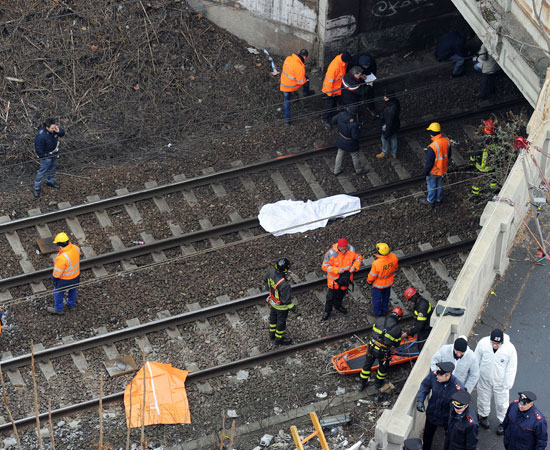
[(165, 396)]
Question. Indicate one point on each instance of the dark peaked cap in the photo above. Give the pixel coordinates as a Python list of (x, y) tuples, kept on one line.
[(527, 396), (461, 397), (412, 444), (446, 366)]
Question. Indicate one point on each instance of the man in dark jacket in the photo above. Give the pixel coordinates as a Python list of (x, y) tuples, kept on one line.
[(45, 145), (352, 86), (443, 385), (386, 333), (367, 64), (348, 138), (279, 300), (452, 47), (390, 124), (463, 427), (422, 313), (525, 427)]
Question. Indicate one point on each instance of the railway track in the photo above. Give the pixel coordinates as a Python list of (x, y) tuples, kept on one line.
[(45, 358), (68, 217)]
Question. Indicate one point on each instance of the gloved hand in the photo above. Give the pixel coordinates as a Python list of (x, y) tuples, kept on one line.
[(294, 309), (54, 282), (420, 406)]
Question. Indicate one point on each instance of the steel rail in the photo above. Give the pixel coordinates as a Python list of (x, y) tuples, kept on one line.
[(204, 374), (209, 311), (158, 191), (194, 236)]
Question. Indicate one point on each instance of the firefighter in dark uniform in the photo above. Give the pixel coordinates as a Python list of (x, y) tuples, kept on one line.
[(463, 427), (525, 427), (422, 313), (481, 156), (412, 444), (279, 300), (443, 385), (386, 333)]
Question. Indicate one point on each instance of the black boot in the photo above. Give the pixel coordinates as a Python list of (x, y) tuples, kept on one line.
[(341, 309), (326, 315), (272, 336), (283, 341), (362, 384), (483, 422), (500, 429)]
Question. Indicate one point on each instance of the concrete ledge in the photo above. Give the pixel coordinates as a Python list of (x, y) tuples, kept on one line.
[(500, 222)]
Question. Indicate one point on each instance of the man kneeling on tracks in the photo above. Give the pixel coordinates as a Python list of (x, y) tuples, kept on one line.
[(279, 300), (422, 313), (386, 333)]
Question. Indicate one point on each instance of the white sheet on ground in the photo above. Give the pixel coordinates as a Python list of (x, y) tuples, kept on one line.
[(279, 218)]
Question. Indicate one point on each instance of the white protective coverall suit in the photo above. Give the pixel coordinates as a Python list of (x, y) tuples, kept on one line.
[(497, 372), (466, 368)]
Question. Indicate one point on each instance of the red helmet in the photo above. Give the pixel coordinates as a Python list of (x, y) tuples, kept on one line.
[(489, 127), (409, 292), (397, 311)]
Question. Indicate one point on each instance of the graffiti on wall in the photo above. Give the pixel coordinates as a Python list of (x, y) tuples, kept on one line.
[(388, 8)]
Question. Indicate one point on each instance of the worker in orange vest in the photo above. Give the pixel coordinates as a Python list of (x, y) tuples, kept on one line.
[(332, 84), (66, 274), (293, 76), (340, 261), (381, 277), (438, 156)]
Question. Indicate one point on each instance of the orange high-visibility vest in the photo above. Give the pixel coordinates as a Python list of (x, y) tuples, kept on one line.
[(67, 263), (382, 271), (293, 74), (335, 260), (440, 146), (333, 78)]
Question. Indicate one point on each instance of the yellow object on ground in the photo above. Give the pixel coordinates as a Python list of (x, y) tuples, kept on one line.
[(163, 387), (318, 432)]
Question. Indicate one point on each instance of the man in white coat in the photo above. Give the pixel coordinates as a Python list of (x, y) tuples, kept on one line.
[(464, 359), (498, 362)]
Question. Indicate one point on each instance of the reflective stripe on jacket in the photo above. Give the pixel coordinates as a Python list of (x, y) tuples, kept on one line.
[(385, 332), (333, 78), (382, 271), (440, 146), (293, 74), (335, 260), (67, 263), (279, 290)]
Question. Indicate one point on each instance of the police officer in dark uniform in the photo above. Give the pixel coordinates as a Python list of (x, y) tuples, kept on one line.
[(348, 138), (279, 300), (422, 313), (443, 385), (463, 426), (525, 427), (412, 444), (386, 333)]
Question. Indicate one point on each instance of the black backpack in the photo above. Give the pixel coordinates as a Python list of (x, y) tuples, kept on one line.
[(344, 280)]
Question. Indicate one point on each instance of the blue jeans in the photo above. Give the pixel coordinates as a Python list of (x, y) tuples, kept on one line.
[(459, 65), (288, 98), (47, 168), (381, 300), (393, 142), (435, 188), (62, 286)]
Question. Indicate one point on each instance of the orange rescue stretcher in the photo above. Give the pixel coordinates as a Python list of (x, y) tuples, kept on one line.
[(352, 361)]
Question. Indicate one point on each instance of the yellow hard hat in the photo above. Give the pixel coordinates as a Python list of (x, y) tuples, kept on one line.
[(382, 248), (435, 127), (61, 237)]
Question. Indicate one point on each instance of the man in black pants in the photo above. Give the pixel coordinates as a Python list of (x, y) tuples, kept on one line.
[(386, 333), (279, 300), (443, 385), (422, 310)]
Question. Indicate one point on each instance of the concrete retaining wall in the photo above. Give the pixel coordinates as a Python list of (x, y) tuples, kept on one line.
[(500, 223)]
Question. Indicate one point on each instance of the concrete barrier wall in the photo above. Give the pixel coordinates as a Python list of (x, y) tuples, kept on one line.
[(500, 222)]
